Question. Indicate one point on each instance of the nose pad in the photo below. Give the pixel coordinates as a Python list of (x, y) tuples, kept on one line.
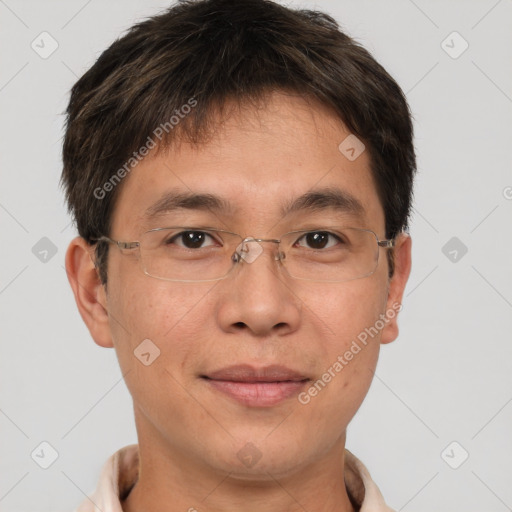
[(248, 250)]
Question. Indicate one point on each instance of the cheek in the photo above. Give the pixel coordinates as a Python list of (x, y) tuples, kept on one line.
[(347, 310), (174, 320), (143, 308), (348, 313)]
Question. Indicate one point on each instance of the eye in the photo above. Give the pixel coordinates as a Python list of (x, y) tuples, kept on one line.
[(191, 239), (319, 240)]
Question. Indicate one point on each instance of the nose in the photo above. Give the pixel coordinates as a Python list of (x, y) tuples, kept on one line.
[(258, 294)]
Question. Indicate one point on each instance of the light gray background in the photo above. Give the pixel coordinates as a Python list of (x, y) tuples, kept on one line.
[(448, 376)]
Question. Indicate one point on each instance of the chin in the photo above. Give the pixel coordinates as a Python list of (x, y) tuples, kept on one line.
[(266, 459)]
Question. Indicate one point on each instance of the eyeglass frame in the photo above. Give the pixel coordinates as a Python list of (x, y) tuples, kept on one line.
[(121, 245)]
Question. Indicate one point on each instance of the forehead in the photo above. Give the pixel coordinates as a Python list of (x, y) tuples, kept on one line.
[(262, 165)]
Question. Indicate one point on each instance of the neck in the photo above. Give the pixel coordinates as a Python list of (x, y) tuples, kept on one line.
[(170, 481)]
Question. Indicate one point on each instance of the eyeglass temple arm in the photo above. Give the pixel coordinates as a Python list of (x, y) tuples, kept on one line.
[(387, 244), (121, 245)]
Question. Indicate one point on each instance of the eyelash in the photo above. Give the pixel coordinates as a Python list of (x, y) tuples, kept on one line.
[(182, 233)]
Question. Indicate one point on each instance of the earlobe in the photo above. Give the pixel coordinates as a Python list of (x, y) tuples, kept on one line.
[(402, 259), (90, 295)]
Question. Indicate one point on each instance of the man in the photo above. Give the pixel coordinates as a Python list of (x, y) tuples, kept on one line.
[(241, 178)]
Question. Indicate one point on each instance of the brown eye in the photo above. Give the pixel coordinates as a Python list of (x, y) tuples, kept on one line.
[(190, 239), (319, 240)]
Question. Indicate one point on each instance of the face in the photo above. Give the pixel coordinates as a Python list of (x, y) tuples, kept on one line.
[(233, 388)]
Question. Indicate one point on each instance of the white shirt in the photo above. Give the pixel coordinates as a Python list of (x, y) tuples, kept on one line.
[(120, 471)]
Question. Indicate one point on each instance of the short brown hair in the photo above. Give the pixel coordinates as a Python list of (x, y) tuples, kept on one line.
[(212, 51)]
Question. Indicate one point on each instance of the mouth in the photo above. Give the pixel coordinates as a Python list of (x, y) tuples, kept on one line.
[(257, 387)]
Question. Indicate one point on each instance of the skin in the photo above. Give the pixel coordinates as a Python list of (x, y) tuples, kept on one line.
[(189, 434)]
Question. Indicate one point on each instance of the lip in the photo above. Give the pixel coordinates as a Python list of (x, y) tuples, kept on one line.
[(257, 387)]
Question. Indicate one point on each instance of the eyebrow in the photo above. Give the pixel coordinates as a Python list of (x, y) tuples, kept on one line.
[(329, 198), (176, 200)]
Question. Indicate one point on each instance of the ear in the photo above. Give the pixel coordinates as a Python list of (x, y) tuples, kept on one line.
[(90, 294), (402, 259)]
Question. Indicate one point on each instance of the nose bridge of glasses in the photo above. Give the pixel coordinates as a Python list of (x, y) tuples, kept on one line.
[(250, 249)]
